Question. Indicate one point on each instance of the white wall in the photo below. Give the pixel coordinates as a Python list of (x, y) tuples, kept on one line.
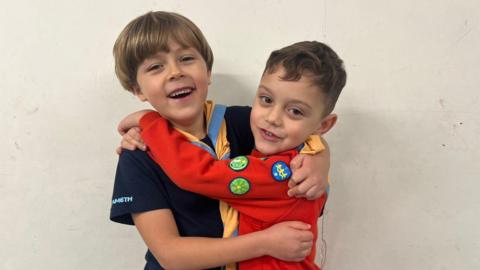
[(405, 184)]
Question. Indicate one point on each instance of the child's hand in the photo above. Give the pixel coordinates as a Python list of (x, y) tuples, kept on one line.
[(130, 121), (132, 140), (310, 175), (289, 241), (130, 131)]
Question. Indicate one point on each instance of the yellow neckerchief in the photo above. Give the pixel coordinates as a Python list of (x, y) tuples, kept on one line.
[(312, 145), (217, 132)]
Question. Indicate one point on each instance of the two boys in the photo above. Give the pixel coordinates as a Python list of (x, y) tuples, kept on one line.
[(175, 78), (296, 95)]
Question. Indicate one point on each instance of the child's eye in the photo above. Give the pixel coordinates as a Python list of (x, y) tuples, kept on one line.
[(155, 67), (265, 100), (295, 112), (187, 58)]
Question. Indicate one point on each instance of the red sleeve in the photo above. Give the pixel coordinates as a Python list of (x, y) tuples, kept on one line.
[(243, 182)]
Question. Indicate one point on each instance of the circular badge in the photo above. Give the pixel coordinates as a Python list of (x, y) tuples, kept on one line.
[(281, 171), (239, 163), (239, 186)]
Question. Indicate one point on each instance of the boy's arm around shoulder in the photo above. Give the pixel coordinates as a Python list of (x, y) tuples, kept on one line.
[(132, 120), (193, 168), (245, 182)]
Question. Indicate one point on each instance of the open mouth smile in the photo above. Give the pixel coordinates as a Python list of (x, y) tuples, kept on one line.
[(269, 136), (181, 93)]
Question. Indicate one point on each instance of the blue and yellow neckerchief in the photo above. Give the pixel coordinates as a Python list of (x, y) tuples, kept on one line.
[(217, 132)]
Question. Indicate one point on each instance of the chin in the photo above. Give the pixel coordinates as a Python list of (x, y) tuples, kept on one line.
[(266, 150)]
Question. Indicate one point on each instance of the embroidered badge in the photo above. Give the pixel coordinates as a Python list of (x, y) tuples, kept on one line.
[(280, 171), (239, 186), (238, 163)]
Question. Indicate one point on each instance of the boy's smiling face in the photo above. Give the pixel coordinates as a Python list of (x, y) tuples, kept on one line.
[(175, 83), (285, 113)]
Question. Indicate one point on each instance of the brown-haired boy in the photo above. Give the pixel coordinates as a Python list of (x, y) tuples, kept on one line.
[(164, 59), (294, 103)]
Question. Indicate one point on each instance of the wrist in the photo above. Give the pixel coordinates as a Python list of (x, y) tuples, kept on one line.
[(262, 243)]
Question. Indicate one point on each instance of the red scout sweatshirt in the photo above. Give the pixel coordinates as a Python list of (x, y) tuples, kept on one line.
[(255, 185)]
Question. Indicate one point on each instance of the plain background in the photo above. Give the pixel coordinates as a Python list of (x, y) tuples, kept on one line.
[(405, 152)]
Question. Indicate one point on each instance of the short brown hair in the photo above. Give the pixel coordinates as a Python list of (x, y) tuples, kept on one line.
[(315, 60), (149, 34)]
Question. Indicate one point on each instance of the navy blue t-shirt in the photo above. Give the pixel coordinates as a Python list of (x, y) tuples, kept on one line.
[(141, 185)]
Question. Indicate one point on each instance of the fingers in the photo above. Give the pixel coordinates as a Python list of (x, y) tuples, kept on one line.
[(306, 236), (132, 140), (315, 192), (299, 225), (297, 162), (293, 192), (291, 183), (135, 133), (305, 190), (303, 249), (297, 178), (298, 187), (127, 145), (304, 240)]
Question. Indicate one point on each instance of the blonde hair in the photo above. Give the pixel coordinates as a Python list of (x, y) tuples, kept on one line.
[(149, 34)]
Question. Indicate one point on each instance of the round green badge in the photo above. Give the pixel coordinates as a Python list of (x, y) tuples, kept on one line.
[(239, 163), (239, 186)]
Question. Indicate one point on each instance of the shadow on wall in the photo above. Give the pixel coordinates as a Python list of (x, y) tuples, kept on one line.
[(229, 90)]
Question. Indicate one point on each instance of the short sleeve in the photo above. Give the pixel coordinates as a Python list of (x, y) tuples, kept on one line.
[(138, 187)]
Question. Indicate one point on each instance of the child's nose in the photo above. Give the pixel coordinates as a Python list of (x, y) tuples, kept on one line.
[(175, 72), (274, 117)]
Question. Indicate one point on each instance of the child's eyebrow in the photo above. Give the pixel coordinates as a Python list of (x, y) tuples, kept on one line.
[(161, 54), (183, 48), (265, 88), (296, 101), (156, 56)]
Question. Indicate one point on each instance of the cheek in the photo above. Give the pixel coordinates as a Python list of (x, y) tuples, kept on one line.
[(297, 132), (256, 116)]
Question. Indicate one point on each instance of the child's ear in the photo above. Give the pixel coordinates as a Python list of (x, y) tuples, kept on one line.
[(138, 93), (141, 97), (327, 123)]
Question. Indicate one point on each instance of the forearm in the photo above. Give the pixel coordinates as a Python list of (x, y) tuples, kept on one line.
[(159, 231), (202, 253), (131, 120), (194, 169)]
